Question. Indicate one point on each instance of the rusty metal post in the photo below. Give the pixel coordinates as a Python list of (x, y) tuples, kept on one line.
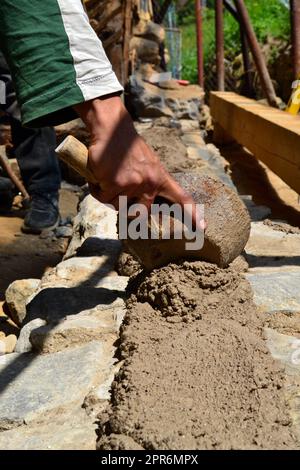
[(258, 57), (127, 32), (250, 92), (220, 44), (245, 49), (200, 54), (295, 27)]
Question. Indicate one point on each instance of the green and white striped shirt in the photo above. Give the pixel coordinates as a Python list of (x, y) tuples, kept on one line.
[(55, 57)]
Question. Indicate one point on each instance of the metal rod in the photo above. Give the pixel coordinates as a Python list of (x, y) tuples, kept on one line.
[(200, 54), (127, 32), (4, 162), (258, 57), (163, 11), (232, 10), (295, 27), (249, 89), (220, 44)]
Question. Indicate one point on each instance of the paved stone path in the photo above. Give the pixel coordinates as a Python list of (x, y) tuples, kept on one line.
[(52, 389)]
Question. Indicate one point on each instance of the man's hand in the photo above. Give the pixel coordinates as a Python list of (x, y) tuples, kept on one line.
[(123, 163)]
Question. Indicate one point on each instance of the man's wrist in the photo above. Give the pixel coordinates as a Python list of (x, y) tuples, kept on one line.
[(102, 116)]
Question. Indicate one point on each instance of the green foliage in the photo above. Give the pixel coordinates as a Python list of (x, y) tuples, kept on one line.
[(269, 19)]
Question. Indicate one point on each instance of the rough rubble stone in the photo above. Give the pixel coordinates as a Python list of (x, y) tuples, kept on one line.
[(93, 220), (127, 265), (23, 344), (8, 344), (77, 330), (58, 301), (149, 100), (205, 120), (79, 271), (146, 49), (16, 296), (54, 304), (149, 30), (40, 388), (189, 126), (73, 319)]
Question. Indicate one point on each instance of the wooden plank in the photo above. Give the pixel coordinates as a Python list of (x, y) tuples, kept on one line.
[(272, 135)]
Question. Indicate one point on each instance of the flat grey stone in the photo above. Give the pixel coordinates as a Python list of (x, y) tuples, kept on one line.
[(78, 434), (38, 388), (215, 162), (286, 350), (276, 291), (224, 178), (269, 249), (257, 213), (98, 398)]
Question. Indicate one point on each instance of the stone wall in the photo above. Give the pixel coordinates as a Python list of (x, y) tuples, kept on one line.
[(107, 19), (152, 93)]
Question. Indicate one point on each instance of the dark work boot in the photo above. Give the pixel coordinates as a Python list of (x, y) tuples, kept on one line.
[(43, 213), (6, 194)]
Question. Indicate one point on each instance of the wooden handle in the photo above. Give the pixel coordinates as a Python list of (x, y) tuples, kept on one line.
[(75, 154), (4, 162)]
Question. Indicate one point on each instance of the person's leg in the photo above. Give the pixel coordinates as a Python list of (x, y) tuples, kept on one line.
[(6, 194), (35, 152)]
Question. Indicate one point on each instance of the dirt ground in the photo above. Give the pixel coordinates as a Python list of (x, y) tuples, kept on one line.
[(28, 256)]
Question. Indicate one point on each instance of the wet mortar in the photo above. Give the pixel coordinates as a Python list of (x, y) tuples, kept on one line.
[(196, 373)]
